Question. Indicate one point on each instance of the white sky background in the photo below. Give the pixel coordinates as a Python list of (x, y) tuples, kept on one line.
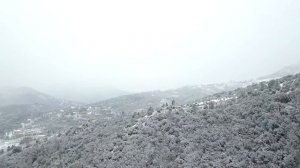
[(138, 45)]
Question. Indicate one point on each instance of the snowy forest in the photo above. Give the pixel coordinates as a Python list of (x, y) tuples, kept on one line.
[(257, 126)]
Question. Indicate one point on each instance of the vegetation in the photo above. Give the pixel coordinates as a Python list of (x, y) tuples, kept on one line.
[(133, 102), (13, 115), (257, 126)]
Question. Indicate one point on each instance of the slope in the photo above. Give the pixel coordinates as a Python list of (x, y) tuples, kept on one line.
[(135, 102), (23, 96), (19, 104), (257, 126), (288, 70)]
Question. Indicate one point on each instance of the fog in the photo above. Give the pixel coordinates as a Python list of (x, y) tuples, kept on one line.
[(144, 45)]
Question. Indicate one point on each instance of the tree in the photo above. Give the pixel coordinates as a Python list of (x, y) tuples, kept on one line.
[(150, 111), (211, 105), (1, 151), (173, 103), (16, 149), (282, 97), (194, 108)]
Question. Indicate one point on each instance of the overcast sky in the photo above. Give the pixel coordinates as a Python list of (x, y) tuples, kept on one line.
[(144, 45)]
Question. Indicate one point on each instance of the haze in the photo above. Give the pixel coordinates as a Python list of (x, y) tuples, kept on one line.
[(144, 45)]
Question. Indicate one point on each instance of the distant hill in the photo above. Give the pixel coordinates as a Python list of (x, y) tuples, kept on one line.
[(25, 96), (257, 127), (84, 93), (133, 102), (288, 70)]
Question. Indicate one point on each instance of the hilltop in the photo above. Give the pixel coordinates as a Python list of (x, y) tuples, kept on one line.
[(25, 96)]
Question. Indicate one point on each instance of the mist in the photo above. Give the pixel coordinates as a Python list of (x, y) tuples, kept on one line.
[(157, 83), (139, 46)]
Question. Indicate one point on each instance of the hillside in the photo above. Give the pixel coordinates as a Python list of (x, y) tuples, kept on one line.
[(12, 116), (257, 126), (288, 70), (135, 102), (140, 101), (25, 96), (17, 105)]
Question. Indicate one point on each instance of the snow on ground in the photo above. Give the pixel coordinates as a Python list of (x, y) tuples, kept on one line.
[(6, 143)]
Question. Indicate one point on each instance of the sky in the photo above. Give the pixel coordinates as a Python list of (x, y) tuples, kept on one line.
[(138, 45)]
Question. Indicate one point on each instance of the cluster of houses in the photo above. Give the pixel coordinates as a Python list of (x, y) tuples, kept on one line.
[(31, 130), (209, 104), (26, 131)]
